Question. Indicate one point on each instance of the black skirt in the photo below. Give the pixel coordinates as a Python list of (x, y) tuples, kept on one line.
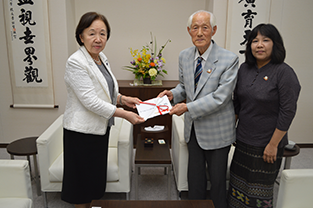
[(85, 166), (251, 179)]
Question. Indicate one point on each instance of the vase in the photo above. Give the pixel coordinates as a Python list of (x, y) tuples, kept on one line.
[(147, 80)]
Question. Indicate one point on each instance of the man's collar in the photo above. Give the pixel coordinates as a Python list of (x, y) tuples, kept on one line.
[(206, 54)]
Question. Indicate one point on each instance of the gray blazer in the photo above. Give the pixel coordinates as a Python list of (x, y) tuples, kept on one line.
[(210, 108)]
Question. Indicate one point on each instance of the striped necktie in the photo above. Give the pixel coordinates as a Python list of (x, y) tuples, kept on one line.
[(198, 72)]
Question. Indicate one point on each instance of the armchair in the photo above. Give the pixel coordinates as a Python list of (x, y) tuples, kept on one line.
[(295, 189), (120, 158), (180, 155), (15, 183)]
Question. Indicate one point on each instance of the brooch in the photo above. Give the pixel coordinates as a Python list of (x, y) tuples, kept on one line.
[(265, 78)]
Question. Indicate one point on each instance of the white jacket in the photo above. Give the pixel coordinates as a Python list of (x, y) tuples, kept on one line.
[(89, 105)]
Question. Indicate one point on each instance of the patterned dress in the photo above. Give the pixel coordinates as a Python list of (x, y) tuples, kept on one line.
[(264, 99)]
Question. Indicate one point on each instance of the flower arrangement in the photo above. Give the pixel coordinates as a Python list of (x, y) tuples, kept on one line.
[(147, 63)]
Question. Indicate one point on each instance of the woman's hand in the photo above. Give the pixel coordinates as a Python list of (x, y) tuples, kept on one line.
[(133, 118), (129, 116), (130, 101), (270, 153)]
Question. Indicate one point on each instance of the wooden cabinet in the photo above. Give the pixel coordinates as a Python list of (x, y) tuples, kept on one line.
[(145, 93)]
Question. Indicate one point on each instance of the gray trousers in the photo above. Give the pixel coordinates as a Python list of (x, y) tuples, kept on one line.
[(199, 161)]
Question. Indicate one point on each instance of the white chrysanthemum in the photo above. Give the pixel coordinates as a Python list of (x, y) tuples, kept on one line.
[(153, 72)]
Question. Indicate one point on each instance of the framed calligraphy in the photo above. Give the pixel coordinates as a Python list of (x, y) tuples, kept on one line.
[(28, 41)]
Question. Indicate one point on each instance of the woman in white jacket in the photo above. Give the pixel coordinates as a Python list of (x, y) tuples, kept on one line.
[(89, 113)]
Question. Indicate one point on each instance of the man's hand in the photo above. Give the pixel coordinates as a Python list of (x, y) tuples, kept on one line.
[(179, 109), (168, 93)]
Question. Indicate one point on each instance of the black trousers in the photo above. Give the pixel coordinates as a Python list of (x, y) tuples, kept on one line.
[(199, 161)]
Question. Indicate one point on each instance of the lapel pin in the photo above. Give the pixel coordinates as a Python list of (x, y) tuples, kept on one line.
[(209, 71), (265, 78)]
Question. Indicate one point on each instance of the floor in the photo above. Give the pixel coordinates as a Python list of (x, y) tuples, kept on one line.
[(153, 182)]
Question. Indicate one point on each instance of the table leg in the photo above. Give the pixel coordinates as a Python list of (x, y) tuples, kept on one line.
[(168, 184), (287, 162), (30, 167), (37, 176), (136, 181)]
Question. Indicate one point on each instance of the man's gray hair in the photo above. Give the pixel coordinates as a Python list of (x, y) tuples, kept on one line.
[(212, 18)]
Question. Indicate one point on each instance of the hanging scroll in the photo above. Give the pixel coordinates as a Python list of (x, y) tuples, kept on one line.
[(28, 44), (243, 16)]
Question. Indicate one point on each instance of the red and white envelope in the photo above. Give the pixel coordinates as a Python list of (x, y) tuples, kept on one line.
[(154, 107)]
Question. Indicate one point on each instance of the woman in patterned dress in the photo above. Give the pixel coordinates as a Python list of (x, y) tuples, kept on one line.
[(265, 100)]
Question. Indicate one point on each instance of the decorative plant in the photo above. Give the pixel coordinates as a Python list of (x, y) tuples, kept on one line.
[(147, 63)]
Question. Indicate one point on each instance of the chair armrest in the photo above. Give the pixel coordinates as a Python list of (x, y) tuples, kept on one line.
[(125, 154), (295, 189), (15, 179), (49, 147), (125, 143), (178, 122), (126, 133), (179, 153)]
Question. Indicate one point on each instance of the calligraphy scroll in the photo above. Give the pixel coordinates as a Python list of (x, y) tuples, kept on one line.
[(28, 43), (243, 16)]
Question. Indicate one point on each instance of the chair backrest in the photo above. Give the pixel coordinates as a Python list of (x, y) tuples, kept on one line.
[(295, 189)]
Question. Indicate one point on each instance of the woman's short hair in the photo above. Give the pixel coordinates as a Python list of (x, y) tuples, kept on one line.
[(212, 18), (268, 30), (86, 20)]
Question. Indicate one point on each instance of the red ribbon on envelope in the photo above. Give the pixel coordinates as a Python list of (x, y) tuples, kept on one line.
[(159, 107)]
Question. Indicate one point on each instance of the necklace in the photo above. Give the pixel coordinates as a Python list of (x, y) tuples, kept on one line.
[(98, 62)]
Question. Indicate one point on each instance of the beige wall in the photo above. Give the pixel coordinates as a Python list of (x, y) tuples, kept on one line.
[(293, 20), (131, 22)]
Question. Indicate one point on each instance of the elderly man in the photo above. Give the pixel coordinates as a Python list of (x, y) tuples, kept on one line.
[(207, 75)]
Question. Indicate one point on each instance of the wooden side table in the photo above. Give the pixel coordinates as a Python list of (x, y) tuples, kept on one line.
[(156, 156), (288, 154), (26, 147), (145, 93), (162, 134)]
